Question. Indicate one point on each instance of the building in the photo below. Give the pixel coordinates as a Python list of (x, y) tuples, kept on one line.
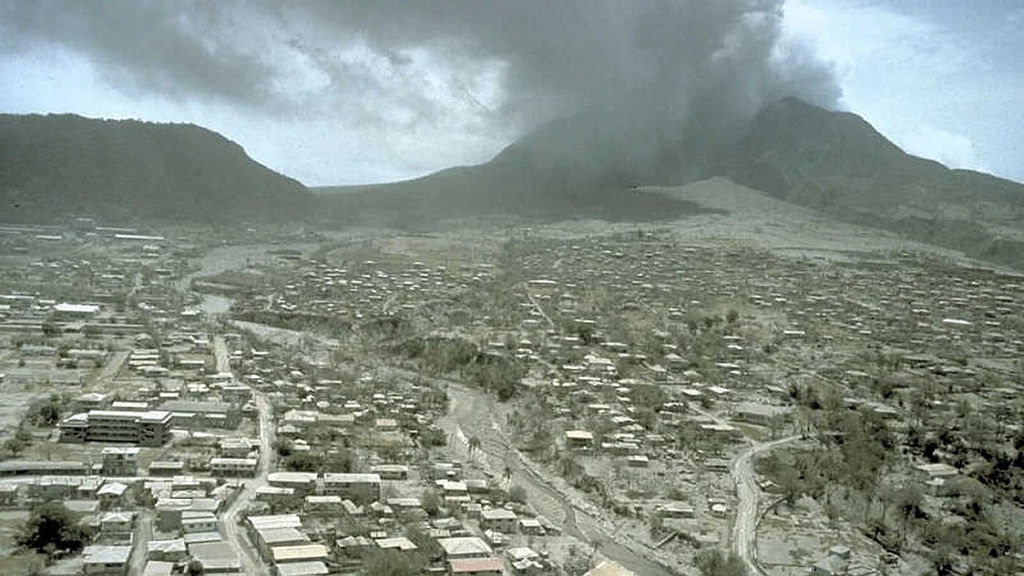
[(464, 548), (760, 414), (302, 483), (301, 569), (120, 461), (106, 559), (215, 557), (195, 522), (233, 466), (150, 428), (360, 488), (300, 553), (579, 439), (391, 471), (500, 519), (194, 414), (270, 538), (489, 566)]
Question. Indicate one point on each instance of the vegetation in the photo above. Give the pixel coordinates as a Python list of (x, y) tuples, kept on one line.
[(125, 170), (52, 529), (714, 562)]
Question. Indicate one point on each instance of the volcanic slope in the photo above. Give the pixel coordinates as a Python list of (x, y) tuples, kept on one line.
[(598, 167)]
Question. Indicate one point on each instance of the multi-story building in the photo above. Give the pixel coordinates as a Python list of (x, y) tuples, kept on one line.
[(120, 461), (150, 428)]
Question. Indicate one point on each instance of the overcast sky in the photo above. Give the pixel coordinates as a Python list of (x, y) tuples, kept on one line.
[(344, 92)]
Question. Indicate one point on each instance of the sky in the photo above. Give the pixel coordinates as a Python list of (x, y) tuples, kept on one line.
[(347, 91)]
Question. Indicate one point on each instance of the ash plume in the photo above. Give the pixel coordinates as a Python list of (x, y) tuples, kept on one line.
[(708, 65)]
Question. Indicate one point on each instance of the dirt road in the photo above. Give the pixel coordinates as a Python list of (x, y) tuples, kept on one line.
[(140, 540), (748, 493)]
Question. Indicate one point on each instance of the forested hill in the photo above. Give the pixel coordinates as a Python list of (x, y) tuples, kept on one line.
[(56, 166)]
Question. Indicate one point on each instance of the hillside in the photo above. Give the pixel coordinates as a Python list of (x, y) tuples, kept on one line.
[(590, 165), (836, 162), (56, 166)]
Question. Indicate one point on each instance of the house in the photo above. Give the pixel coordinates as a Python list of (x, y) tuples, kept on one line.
[(322, 503), (117, 525), (391, 471), (216, 558), (488, 566), (579, 439), (158, 568), (273, 493), (166, 469), (111, 493), (531, 526), (269, 538), (166, 550), (105, 559), (400, 543), (464, 547), (499, 519), (300, 553), (760, 414), (193, 522), (315, 568), (360, 488)]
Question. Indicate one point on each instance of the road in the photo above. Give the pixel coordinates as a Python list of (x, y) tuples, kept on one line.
[(140, 540), (228, 520), (748, 494), (470, 415), (220, 352)]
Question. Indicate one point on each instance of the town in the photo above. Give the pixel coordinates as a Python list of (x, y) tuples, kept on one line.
[(295, 403)]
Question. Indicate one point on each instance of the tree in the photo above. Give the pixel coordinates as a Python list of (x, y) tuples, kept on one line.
[(517, 494), (283, 446), (431, 502), (51, 528), (717, 563), (474, 446), (47, 413), (303, 462)]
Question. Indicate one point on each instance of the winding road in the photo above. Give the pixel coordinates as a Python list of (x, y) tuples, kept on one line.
[(228, 520), (748, 494)]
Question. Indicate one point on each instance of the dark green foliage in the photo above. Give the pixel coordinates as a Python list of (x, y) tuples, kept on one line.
[(717, 563), (59, 166), (47, 412), (52, 529), (303, 462)]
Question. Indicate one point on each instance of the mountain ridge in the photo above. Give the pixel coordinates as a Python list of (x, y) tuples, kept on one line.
[(62, 165)]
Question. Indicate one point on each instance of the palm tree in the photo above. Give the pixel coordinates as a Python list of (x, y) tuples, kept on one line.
[(474, 446)]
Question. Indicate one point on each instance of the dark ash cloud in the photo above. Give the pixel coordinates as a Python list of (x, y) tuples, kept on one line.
[(408, 64)]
